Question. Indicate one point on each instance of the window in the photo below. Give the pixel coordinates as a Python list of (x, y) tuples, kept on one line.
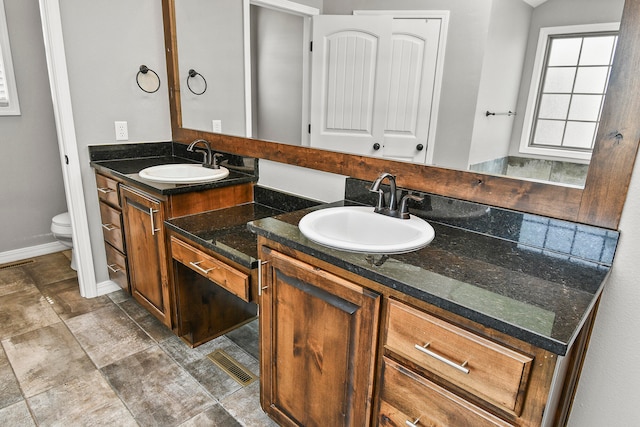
[(569, 83), (9, 105)]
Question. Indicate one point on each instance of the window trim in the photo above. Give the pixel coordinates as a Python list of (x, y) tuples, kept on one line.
[(13, 109), (534, 89)]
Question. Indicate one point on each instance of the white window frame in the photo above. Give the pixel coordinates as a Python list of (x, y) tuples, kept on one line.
[(538, 65), (10, 106)]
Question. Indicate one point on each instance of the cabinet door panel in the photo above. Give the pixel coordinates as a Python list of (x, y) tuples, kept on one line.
[(143, 218), (318, 347)]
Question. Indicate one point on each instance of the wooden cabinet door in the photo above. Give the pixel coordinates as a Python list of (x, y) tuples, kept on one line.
[(318, 344), (143, 218)]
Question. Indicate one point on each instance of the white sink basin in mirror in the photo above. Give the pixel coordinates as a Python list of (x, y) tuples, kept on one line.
[(360, 229), (183, 173)]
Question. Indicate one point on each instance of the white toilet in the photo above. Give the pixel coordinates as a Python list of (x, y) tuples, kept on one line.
[(61, 229)]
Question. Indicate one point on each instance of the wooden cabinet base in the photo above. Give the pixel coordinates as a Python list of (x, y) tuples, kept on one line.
[(206, 310), (318, 345)]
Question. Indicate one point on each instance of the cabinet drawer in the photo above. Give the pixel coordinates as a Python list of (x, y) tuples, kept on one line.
[(107, 190), (408, 398), (484, 368), (117, 265), (112, 226), (235, 281)]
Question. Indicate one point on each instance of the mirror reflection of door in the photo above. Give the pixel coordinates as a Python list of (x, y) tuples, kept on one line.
[(373, 85)]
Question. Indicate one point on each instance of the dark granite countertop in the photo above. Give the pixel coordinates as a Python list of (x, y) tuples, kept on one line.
[(534, 278), (538, 296), (126, 160), (225, 231)]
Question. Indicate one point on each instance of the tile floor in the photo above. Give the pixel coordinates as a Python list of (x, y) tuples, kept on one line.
[(70, 361)]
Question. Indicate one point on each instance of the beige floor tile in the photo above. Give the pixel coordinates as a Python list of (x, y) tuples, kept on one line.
[(215, 416), (45, 358), (119, 296), (24, 311), (16, 415), (86, 401), (49, 269), (108, 335), (244, 405), (14, 279), (210, 376), (65, 299), (9, 389), (157, 390), (149, 323)]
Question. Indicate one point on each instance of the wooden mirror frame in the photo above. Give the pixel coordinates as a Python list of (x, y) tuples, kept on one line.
[(600, 203)]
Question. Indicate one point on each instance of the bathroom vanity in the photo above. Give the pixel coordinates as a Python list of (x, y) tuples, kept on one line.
[(133, 212), (485, 326), (183, 251)]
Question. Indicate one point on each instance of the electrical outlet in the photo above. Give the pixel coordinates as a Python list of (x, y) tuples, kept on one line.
[(217, 126), (122, 132)]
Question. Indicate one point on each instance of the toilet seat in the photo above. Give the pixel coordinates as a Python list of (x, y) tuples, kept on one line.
[(61, 224)]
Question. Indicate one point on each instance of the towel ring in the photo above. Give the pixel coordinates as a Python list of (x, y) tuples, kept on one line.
[(147, 82), (193, 73)]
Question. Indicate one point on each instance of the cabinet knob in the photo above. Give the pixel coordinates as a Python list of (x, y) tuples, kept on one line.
[(419, 147), (376, 146)]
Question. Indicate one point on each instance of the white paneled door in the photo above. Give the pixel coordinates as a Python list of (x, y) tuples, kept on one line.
[(350, 82), (372, 85)]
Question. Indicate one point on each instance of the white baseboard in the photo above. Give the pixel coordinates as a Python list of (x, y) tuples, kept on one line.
[(107, 287), (33, 251)]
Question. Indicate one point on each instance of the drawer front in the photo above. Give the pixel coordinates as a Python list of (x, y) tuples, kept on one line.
[(235, 281), (107, 190), (112, 226), (117, 265), (484, 368), (408, 399)]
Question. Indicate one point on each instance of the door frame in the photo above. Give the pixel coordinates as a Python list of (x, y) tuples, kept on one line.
[(443, 15), (67, 144), (285, 6)]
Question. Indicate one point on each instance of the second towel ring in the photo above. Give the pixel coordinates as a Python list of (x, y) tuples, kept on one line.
[(193, 73)]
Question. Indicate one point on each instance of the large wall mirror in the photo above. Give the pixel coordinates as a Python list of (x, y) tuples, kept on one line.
[(256, 78)]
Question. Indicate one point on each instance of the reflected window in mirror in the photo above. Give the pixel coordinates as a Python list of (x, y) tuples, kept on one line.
[(571, 75), (9, 105)]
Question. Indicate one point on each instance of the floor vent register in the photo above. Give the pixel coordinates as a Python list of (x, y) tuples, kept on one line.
[(232, 367)]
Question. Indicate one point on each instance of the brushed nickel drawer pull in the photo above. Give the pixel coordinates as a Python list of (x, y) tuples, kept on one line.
[(413, 424), (462, 368), (153, 226), (196, 265), (260, 287), (114, 268), (109, 227), (105, 190)]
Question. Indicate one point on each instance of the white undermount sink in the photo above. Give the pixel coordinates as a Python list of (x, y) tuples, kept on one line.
[(360, 229), (183, 173)]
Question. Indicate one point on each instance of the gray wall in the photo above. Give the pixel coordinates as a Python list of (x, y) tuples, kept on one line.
[(106, 41), (276, 61), (32, 190), (500, 79), (210, 40)]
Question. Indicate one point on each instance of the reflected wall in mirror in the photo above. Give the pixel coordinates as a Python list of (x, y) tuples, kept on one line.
[(260, 82)]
